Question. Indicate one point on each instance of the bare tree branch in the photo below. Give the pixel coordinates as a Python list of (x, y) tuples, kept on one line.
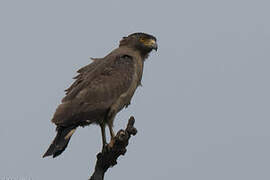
[(108, 156)]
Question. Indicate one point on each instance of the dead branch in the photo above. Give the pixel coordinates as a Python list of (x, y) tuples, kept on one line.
[(108, 156)]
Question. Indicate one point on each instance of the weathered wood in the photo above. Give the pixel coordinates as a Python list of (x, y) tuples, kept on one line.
[(108, 156)]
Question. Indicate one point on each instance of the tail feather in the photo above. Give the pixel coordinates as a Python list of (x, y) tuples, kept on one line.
[(60, 142)]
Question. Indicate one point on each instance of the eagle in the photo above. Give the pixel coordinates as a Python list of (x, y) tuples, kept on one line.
[(102, 89)]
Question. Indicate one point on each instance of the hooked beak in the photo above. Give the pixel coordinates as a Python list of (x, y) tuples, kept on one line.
[(155, 46)]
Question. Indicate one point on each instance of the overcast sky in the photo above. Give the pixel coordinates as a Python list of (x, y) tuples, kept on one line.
[(203, 111)]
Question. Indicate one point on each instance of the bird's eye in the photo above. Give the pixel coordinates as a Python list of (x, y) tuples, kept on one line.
[(142, 39)]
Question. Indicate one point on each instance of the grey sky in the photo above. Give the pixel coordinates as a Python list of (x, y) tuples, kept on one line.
[(202, 113)]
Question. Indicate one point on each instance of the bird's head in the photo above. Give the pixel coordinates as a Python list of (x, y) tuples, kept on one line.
[(142, 42)]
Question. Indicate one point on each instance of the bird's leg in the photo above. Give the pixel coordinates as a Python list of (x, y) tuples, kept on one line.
[(110, 120), (110, 124), (103, 133), (111, 130)]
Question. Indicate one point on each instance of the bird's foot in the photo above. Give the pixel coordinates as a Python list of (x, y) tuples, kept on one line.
[(106, 148), (111, 143)]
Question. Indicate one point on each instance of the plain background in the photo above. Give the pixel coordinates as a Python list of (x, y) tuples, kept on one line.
[(202, 113)]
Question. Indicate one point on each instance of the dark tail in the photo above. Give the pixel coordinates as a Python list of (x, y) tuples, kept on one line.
[(61, 140)]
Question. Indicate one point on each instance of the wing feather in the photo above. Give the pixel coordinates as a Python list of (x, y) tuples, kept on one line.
[(96, 88), (84, 71)]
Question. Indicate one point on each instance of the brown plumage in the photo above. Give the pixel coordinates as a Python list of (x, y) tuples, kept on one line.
[(101, 90)]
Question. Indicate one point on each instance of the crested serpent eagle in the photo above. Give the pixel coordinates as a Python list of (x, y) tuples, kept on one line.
[(101, 90)]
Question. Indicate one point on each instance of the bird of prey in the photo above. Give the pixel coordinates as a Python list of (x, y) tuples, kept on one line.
[(101, 90)]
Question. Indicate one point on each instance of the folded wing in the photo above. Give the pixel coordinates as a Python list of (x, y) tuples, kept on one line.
[(96, 88)]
